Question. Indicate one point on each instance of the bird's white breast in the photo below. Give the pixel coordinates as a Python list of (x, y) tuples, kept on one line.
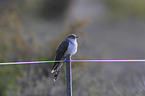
[(72, 47)]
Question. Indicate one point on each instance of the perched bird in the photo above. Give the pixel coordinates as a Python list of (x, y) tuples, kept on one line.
[(67, 47)]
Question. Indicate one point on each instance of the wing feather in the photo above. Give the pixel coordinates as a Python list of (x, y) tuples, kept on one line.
[(60, 53)]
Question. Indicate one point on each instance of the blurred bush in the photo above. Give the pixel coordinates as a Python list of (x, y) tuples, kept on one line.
[(121, 8), (18, 80), (53, 8), (15, 47), (35, 79), (46, 9), (27, 79)]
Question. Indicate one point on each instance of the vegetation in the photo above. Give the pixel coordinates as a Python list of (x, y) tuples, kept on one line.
[(95, 79), (121, 8), (25, 80)]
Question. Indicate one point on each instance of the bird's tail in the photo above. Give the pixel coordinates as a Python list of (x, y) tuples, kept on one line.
[(55, 76), (56, 69)]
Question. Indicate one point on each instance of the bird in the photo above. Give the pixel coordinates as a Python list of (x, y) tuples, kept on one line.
[(67, 47)]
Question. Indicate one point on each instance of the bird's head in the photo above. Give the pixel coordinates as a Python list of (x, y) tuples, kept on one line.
[(72, 36)]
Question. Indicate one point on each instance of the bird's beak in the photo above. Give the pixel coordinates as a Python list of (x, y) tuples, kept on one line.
[(77, 37)]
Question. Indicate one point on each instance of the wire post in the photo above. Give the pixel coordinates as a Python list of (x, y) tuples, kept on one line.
[(68, 75)]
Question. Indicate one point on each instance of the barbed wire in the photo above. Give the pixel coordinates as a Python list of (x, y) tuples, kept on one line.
[(38, 62)]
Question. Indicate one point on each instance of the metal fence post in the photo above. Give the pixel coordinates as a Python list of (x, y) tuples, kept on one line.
[(68, 75)]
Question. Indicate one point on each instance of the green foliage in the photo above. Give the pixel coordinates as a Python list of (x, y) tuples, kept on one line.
[(134, 8), (13, 47), (88, 79), (27, 80), (8, 76)]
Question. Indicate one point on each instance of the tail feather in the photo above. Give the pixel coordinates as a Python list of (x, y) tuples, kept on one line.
[(53, 69), (56, 67), (55, 76)]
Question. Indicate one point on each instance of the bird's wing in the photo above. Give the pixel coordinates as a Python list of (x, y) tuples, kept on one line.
[(60, 53), (61, 49)]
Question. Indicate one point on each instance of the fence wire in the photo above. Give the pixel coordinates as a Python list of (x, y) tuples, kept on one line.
[(39, 62)]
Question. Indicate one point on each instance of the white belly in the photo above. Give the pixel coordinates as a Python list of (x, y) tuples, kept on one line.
[(72, 49)]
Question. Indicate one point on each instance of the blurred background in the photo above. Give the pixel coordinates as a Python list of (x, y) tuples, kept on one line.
[(108, 29)]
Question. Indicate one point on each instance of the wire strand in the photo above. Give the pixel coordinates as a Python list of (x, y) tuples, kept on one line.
[(138, 60), (31, 62), (38, 62)]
